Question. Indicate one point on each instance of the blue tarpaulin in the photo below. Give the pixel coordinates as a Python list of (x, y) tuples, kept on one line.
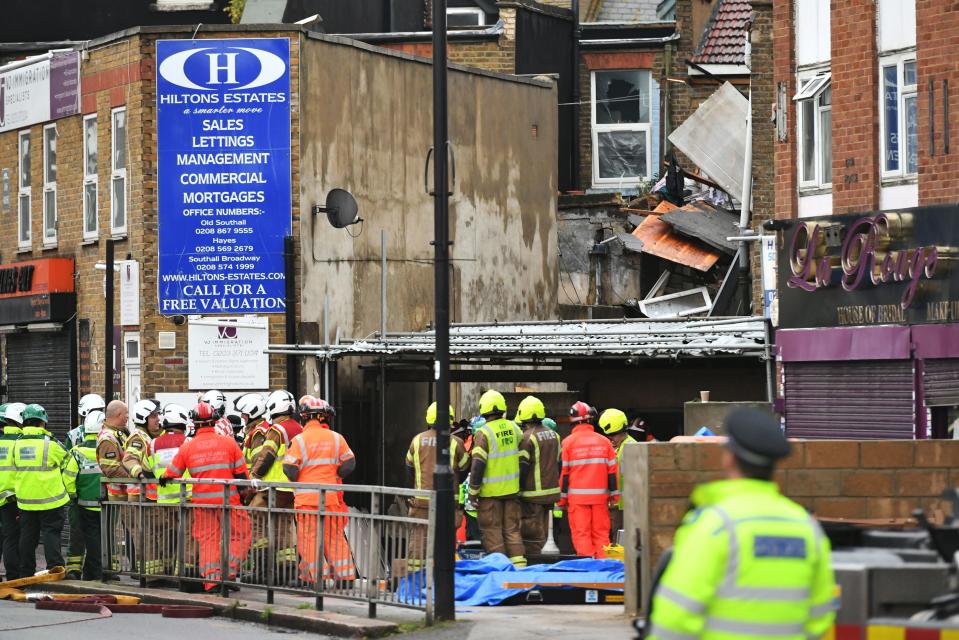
[(480, 582)]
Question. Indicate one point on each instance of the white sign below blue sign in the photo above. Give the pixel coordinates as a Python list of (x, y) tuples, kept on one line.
[(224, 186)]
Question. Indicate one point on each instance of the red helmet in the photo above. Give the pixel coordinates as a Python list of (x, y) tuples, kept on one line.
[(582, 412), (312, 406), (203, 414)]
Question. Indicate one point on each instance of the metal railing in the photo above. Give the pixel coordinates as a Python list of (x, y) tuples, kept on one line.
[(375, 552)]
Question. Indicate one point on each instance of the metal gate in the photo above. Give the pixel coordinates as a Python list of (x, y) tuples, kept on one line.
[(940, 379), (39, 369), (857, 399)]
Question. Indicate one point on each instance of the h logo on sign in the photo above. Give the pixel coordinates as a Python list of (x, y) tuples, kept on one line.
[(229, 65)]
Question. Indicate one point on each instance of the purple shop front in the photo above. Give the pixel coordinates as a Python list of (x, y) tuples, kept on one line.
[(868, 324)]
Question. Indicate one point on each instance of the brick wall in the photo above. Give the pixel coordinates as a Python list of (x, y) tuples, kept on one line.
[(936, 25), (785, 158), (836, 479), (763, 95)]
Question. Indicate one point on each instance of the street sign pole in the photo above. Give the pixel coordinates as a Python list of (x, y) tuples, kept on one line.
[(444, 534)]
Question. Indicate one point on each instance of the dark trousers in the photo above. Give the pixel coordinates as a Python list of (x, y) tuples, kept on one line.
[(10, 537), (76, 546), (35, 526), (90, 526)]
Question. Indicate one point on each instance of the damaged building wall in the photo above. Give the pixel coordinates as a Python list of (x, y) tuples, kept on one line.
[(366, 126)]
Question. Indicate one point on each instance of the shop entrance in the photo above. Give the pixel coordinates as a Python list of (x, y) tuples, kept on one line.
[(39, 367)]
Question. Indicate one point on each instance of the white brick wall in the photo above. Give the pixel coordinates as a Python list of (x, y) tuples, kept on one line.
[(628, 11)]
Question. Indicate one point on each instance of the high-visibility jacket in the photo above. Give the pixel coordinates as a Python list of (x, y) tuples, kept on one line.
[(279, 435), (318, 453), (88, 477), (208, 456), (541, 484), (421, 456), (619, 466), (747, 563), (110, 443), (253, 442), (44, 477), (7, 477), (590, 473), (162, 451), (136, 460), (497, 442)]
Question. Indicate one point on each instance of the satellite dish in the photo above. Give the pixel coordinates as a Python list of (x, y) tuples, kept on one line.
[(341, 208)]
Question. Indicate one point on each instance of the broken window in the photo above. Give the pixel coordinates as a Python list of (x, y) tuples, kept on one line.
[(621, 126)]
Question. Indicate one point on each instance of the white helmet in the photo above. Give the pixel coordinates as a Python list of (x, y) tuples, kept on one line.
[(93, 422), (252, 405), (280, 402), (175, 416), (142, 411), (215, 399), (90, 402), (14, 411)]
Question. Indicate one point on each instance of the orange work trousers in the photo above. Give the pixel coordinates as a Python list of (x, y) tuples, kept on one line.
[(589, 526), (337, 557), (208, 533)]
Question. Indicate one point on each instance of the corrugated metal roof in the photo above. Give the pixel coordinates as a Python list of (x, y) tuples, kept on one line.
[(660, 240), (740, 336), (707, 223), (724, 41)]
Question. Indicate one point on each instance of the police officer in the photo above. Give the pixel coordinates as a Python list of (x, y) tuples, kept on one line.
[(747, 562)]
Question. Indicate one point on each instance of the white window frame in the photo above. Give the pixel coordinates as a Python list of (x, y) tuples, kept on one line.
[(816, 82), (118, 174), (49, 191), (635, 127), (24, 236), (91, 179), (904, 91), (473, 11)]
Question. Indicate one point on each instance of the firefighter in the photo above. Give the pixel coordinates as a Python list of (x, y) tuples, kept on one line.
[(589, 483), (88, 564), (494, 480), (212, 456), (110, 446), (747, 562), (44, 482), (136, 450), (11, 420), (88, 403), (613, 423), (320, 455), (539, 475), (217, 400), (175, 420), (420, 465)]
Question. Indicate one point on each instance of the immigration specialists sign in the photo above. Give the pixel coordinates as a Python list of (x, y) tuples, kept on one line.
[(46, 88), (228, 353), (890, 267), (224, 185)]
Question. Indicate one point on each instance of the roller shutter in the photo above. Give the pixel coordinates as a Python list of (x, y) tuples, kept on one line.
[(856, 399), (941, 381), (39, 369)]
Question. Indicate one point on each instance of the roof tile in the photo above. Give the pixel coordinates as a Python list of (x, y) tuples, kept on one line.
[(724, 41)]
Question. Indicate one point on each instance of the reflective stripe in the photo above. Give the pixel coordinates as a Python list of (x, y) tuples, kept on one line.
[(56, 498), (211, 467), (669, 634), (9, 468), (588, 492), (88, 471), (88, 503), (822, 609), (764, 594), (579, 463), (174, 470), (539, 492), (6, 494), (506, 453), (318, 462), (46, 452), (764, 629), (680, 599), (506, 478)]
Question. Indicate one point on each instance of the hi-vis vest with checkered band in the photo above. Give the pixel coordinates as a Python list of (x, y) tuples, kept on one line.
[(40, 483), (7, 470), (501, 477), (88, 478), (162, 450)]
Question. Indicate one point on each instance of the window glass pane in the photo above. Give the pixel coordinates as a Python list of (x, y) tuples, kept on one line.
[(622, 97), (24, 218), (464, 19), (120, 140), (909, 73), (890, 100), (90, 147), (50, 155), (49, 214), (622, 154), (119, 203), (825, 140), (825, 98), (24, 162), (90, 207), (912, 134), (808, 140)]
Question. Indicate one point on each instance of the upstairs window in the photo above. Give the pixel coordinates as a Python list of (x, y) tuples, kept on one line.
[(90, 179), (118, 186), (814, 110), (24, 194), (465, 17), (899, 117), (621, 126), (50, 185)]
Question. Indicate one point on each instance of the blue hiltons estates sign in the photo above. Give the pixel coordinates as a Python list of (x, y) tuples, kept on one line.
[(223, 141)]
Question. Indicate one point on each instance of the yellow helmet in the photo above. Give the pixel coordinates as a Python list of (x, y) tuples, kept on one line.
[(492, 402), (530, 409), (431, 414), (612, 421)]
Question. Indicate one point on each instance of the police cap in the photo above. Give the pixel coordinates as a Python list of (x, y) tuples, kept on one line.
[(755, 437)]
